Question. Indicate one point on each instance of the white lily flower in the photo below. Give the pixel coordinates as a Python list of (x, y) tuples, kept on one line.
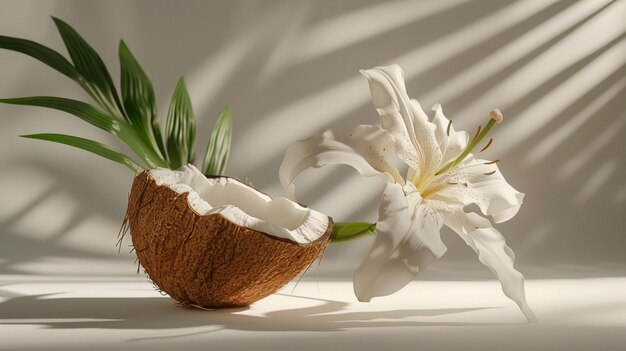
[(443, 176)]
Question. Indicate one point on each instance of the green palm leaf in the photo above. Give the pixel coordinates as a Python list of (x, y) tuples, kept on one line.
[(41, 53), (218, 150), (88, 145), (95, 117), (139, 100), (133, 118), (87, 61), (77, 108), (180, 127)]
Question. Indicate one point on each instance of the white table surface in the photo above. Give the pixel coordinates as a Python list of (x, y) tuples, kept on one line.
[(69, 313)]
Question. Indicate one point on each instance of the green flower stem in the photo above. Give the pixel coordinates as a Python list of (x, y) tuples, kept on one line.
[(350, 231)]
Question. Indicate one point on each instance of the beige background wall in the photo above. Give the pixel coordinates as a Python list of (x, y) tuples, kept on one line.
[(289, 69)]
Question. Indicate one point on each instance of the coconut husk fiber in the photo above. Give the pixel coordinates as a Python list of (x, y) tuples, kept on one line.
[(208, 261)]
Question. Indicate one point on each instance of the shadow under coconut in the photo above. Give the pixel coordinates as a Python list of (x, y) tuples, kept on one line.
[(160, 313)]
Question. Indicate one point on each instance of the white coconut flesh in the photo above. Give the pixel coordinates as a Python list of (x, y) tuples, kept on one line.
[(244, 205)]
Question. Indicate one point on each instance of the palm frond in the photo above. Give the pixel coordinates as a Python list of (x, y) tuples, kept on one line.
[(180, 127), (88, 145), (98, 82), (41, 53), (139, 99), (218, 149), (132, 118), (97, 118)]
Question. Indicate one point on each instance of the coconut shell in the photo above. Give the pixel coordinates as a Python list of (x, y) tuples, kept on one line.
[(207, 260)]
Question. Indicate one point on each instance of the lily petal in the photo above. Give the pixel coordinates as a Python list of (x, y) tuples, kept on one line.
[(403, 118), (366, 148), (451, 142), (425, 134), (387, 103), (493, 252), (407, 240), (481, 183)]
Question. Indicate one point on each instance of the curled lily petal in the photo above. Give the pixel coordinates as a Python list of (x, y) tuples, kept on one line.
[(493, 252), (365, 148), (480, 182), (407, 240), (387, 103), (403, 117)]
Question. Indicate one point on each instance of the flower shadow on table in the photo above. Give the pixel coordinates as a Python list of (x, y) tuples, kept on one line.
[(159, 313)]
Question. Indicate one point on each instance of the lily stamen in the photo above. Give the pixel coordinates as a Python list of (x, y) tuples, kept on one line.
[(477, 133), (448, 129), (487, 146), (489, 173), (491, 162)]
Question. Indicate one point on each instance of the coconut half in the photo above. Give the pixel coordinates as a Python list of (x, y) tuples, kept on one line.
[(213, 242)]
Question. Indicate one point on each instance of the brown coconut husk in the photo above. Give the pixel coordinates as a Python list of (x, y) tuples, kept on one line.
[(207, 260)]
